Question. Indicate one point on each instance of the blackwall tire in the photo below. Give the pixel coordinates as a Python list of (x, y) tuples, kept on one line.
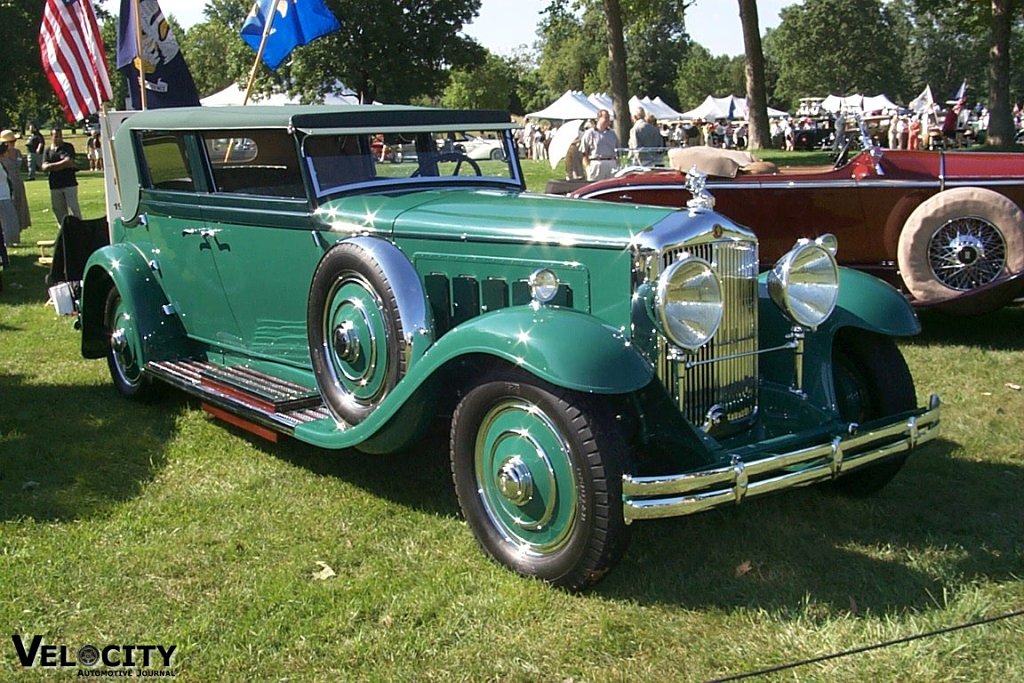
[(355, 332), (872, 380), (538, 474), (959, 240), (124, 352)]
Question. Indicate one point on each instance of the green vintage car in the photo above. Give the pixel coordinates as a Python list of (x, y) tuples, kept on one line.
[(599, 364)]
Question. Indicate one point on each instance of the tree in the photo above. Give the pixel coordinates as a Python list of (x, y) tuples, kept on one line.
[(700, 74), (485, 86), (392, 51), (617, 68), (757, 100), (1000, 127), (988, 27), (836, 46), (28, 97), (573, 49), (656, 41)]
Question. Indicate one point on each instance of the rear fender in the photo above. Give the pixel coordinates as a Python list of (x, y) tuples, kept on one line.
[(122, 267)]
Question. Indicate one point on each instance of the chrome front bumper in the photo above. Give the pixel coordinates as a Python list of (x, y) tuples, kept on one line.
[(685, 494)]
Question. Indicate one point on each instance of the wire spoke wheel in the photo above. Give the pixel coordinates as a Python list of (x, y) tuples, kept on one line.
[(966, 253)]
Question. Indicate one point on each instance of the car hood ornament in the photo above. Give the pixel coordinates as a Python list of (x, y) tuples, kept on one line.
[(695, 182)]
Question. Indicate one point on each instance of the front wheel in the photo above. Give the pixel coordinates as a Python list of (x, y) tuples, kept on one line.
[(872, 380), (538, 473)]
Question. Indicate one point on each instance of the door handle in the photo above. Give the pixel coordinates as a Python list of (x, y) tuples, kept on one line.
[(202, 232)]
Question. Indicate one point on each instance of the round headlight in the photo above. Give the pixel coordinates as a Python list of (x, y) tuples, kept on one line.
[(805, 284), (688, 303), (543, 285)]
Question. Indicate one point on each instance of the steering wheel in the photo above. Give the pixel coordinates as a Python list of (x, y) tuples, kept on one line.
[(842, 156), (457, 157)]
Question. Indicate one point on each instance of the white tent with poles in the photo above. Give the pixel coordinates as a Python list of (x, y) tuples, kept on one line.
[(571, 105), (858, 102), (728, 107), (657, 106), (235, 95)]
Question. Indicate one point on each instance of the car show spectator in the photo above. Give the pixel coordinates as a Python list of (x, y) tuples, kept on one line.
[(598, 146), (10, 159), (36, 146), (59, 164), (914, 134), (645, 142)]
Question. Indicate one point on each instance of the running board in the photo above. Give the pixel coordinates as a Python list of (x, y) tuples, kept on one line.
[(247, 398)]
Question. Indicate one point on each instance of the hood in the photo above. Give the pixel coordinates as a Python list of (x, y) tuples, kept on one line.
[(493, 215)]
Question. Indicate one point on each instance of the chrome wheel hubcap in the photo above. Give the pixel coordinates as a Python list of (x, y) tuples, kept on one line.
[(966, 253)]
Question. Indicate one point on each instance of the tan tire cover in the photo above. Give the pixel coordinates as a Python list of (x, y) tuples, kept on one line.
[(935, 212)]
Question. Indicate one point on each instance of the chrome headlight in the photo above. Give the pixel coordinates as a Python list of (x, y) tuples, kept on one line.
[(805, 282), (543, 285), (688, 303)]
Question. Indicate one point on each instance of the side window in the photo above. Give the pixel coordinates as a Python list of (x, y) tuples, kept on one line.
[(254, 162), (339, 160), (166, 162)]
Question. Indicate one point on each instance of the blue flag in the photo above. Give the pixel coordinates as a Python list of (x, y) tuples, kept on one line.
[(168, 81), (295, 23)]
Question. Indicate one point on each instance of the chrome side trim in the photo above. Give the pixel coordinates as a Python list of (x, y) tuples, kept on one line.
[(684, 494)]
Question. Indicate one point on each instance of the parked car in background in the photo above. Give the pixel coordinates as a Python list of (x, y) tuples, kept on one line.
[(945, 227), (597, 364), (478, 147)]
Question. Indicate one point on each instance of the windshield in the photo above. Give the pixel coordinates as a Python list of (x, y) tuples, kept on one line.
[(346, 162)]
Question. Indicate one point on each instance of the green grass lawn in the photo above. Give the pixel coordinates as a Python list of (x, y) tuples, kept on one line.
[(154, 524)]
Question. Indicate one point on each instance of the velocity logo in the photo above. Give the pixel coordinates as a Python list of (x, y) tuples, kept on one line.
[(121, 660)]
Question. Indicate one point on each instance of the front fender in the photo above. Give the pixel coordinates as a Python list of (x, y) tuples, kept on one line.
[(872, 304), (121, 266), (864, 302), (565, 347)]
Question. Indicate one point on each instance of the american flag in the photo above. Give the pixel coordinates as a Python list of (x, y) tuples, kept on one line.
[(73, 58)]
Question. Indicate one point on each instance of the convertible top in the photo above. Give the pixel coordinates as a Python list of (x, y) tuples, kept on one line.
[(305, 118)]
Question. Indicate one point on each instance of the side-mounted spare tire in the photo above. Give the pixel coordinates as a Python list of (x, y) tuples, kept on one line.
[(365, 311), (959, 240)]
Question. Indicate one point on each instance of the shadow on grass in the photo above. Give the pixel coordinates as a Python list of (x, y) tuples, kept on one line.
[(418, 478), (999, 330), (943, 519), (24, 279), (73, 452)]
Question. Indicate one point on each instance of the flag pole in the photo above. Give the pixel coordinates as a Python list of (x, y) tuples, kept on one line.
[(138, 54), (259, 53)]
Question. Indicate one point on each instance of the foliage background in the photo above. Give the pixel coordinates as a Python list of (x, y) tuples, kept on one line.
[(410, 51)]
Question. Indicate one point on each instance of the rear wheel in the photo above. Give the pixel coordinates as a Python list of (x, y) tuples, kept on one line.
[(872, 380), (538, 473), (124, 355)]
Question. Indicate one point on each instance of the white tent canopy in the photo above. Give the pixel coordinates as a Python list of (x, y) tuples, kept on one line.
[(602, 100), (858, 102), (661, 111), (728, 107), (571, 105), (234, 95)]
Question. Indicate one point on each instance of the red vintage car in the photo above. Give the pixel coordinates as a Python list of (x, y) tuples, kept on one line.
[(945, 227)]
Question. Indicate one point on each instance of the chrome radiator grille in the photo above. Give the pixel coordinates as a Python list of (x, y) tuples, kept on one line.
[(722, 376)]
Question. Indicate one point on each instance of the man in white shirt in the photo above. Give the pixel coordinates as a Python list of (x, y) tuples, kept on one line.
[(598, 147)]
